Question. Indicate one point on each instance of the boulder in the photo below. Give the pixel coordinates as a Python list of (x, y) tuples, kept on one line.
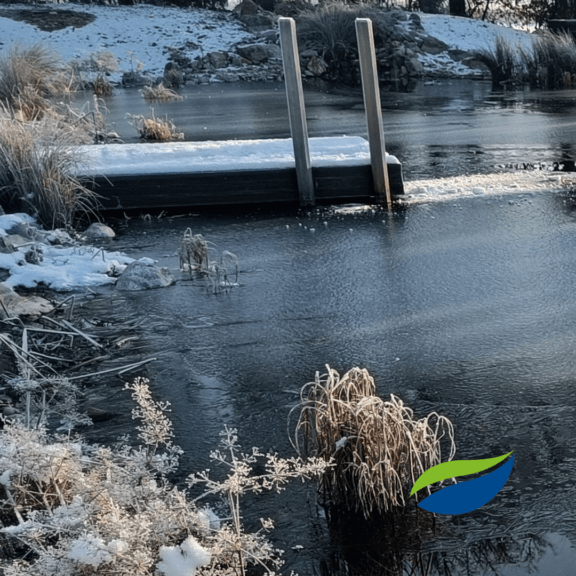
[(258, 22), (218, 59), (258, 53), (134, 79), (17, 305), (434, 46), (172, 77), (246, 8), (99, 231), (144, 275)]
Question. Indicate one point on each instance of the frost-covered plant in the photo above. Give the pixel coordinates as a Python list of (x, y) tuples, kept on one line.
[(195, 257), (87, 510), (154, 128), (251, 548)]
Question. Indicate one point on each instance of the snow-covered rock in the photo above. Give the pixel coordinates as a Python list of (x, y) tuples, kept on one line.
[(144, 275)]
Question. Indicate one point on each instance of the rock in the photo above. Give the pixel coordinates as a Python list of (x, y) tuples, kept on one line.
[(459, 55), (17, 305), (5, 247), (416, 66), (227, 76), (172, 75), (218, 59), (16, 241), (144, 276), (434, 46), (134, 79), (258, 22), (246, 8), (415, 20), (317, 66), (258, 53), (309, 53), (99, 231)]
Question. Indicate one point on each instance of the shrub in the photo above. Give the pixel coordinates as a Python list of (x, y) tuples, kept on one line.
[(37, 167), (378, 448), (155, 128), (101, 86)]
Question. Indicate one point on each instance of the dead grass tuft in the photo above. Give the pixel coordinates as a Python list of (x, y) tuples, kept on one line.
[(155, 128), (159, 93), (101, 86), (37, 167), (378, 448), (28, 75)]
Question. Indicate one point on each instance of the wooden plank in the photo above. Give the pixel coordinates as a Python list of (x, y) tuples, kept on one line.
[(296, 110), (333, 183), (371, 91)]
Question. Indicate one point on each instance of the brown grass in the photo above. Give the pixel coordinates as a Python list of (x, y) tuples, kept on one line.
[(379, 449), (155, 128), (159, 93), (37, 166), (101, 86), (28, 75)]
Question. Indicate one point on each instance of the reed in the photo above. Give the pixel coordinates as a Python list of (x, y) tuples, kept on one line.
[(505, 63), (378, 448)]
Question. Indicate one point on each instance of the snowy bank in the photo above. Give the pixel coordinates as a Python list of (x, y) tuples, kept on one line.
[(59, 266)]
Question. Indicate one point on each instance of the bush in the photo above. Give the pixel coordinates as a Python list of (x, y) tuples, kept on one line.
[(159, 93)]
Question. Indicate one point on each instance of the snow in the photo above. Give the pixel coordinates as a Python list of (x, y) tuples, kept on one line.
[(144, 33), (115, 159), (141, 32), (519, 183), (184, 559), (62, 268), (470, 35)]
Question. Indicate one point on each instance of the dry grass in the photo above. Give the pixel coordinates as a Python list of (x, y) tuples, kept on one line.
[(155, 128), (28, 75), (101, 86), (159, 93), (379, 449), (37, 167)]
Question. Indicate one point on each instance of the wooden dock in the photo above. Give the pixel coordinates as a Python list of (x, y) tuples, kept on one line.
[(261, 172)]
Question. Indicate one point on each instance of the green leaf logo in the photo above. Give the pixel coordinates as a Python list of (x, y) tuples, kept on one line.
[(454, 469)]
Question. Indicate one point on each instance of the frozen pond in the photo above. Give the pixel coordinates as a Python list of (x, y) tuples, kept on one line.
[(466, 307), (462, 302)]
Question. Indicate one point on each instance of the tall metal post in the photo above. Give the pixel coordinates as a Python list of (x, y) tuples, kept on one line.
[(296, 110), (373, 108)]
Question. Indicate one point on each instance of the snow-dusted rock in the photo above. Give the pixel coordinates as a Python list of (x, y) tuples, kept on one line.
[(258, 53), (99, 231), (17, 305), (143, 275)]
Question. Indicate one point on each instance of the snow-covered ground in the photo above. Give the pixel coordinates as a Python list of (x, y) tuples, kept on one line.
[(144, 33)]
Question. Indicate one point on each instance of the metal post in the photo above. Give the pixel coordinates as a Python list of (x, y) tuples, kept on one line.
[(296, 111), (373, 108)]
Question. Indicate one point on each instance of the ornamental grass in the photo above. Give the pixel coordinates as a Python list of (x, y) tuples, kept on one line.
[(378, 447)]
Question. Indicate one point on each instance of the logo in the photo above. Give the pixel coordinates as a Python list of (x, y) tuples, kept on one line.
[(467, 496)]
